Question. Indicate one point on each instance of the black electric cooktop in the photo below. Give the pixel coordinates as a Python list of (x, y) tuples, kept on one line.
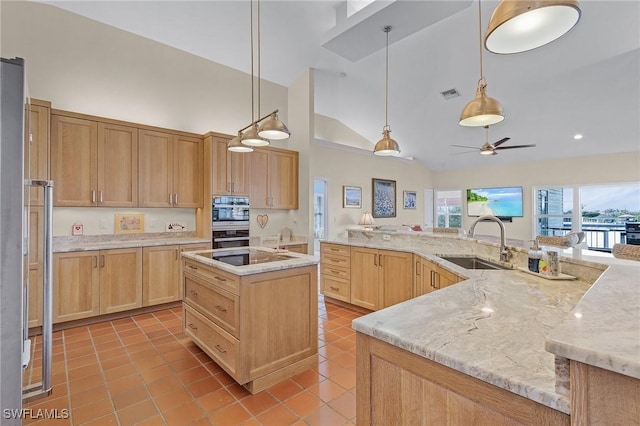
[(248, 257)]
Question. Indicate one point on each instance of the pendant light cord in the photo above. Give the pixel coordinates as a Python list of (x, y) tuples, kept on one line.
[(259, 78), (252, 78), (387, 29), (480, 36)]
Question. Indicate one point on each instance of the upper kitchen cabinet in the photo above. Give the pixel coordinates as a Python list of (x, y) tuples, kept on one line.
[(229, 170), (93, 163), (274, 179), (170, 170), (39, 118)]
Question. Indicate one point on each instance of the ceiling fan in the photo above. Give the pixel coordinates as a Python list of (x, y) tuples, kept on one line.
[(490, 149)]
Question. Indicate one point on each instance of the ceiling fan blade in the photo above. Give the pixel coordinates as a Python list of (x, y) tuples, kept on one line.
[(500, 142), (464, 146), (463, 152), (516, 146)]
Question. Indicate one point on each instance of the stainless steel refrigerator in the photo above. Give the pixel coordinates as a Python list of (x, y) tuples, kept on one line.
[(14, 248)]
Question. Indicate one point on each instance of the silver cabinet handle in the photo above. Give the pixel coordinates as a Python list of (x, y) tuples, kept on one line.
[(101, 197), (221, 349), (417, 267), (380, 260), (221, 308), (93, 196), (193, 327), (222, 280), (175, 199), (102, 260)]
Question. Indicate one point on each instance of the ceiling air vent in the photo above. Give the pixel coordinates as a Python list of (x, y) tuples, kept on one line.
[(450, 94)]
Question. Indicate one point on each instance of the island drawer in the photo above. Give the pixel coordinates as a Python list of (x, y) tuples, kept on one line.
[(335, 249), (337, 288), (218, 305), (335, 271), (335, 260), (217, 343), (213, 275)]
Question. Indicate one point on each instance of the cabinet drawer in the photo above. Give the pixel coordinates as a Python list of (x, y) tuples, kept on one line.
[(335, 271), (337, 288), (335, 260), (218, 305), (217, 343), (213, 276), (338, 249)]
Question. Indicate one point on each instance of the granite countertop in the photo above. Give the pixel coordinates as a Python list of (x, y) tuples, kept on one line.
[(495, 325), (111, 241), (296, 260)]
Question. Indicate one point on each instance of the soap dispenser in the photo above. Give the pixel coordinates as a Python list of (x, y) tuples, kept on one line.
[(535, 255)]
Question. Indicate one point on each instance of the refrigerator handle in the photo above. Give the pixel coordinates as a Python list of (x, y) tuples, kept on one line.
[(44, 388)]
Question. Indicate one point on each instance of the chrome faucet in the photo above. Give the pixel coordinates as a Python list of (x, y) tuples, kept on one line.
[(504, 253)]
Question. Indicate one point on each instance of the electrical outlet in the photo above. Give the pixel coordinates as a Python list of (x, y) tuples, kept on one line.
[(386, 237), (103, 224), (153, 223)]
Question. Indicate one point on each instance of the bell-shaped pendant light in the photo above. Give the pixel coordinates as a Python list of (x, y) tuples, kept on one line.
[(520, 25), (251, 137), (273, 128), (482, 110), (235, 145), (386, 146)]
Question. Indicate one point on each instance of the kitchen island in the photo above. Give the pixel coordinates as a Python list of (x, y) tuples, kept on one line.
[(494, 348), (254, 311)]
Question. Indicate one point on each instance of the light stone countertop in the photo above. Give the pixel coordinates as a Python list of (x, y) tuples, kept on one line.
[(494, 326), (297, 260), (111, 241)]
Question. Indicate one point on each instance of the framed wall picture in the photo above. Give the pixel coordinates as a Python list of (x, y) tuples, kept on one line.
[(352, 197), (409, 199), (129, 223), (384, 198)]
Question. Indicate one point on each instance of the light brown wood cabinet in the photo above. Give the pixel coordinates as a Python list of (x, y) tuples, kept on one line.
[(36, 252), (229, 170), (430, 277), (380, 278), (93, 163), (91, 283), (38, 149), (170, 170), (260, 328), (335, 271), (297, 248), (274, 179), (395, 386), (161, 271)]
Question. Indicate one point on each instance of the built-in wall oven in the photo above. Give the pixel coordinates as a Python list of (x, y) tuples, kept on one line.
[(230, 224)]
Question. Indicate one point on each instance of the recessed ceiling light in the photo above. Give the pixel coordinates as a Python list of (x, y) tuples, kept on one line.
[(577, 136)]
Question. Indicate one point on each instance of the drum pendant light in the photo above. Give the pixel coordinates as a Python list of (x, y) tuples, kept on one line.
[(386, 146), (482, 110), (234, 145), (521, 25)]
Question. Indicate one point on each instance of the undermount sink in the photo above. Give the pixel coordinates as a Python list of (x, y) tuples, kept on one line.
[(472, 263)]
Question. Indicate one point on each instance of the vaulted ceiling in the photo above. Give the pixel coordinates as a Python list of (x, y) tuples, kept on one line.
[(586, 82)]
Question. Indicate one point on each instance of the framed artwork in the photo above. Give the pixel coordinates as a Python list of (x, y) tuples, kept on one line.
[(129, 223), (409, 198), (384, 198), (352, 197)]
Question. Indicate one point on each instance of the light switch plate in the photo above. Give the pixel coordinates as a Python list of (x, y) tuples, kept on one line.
[(176, 226)]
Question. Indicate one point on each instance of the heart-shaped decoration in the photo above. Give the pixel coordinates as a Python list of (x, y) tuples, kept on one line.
[(262, 220)]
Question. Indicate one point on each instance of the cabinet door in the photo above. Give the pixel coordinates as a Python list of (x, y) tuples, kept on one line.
[(155, 169), (364, 277), (120, 280), (74, 155), (259, 178), (117, 166), (76, 286), (239, 172), (424, 277), (396, 268), (39, 150), (446, 278), (187, 171), (283, 180), (160, 278), (36, 232), (35, 297), (220, 184)]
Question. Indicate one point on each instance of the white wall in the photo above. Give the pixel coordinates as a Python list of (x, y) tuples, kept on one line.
[(348, 166), (611, 168)]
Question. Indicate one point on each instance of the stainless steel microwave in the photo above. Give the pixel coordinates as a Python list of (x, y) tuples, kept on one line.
[(228, 211)]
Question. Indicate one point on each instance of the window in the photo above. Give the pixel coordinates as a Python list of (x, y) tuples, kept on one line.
[(600, 211), (448, 206)]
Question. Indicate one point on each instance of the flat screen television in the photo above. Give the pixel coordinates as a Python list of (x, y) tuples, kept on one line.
[(504, 201)]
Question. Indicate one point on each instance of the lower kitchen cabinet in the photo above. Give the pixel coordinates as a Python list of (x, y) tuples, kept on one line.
[(91, 283), (335, 271), (430, 277), (161, 270), (380, 278)]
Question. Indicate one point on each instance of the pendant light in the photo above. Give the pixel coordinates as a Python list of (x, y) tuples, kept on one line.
[(273, 128), (251, 137), (235, 145), (482, 110), (521, 25), (386, 146)]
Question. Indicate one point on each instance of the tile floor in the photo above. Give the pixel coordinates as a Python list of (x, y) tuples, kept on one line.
[(144, 371)]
